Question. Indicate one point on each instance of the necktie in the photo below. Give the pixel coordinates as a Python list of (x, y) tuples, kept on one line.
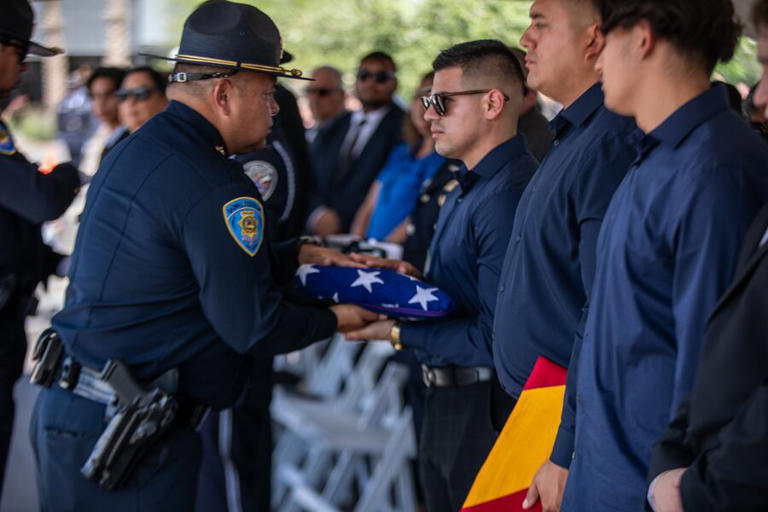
[(347, 153)]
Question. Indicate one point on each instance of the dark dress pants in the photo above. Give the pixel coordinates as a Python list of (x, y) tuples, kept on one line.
[(13, 348), (460, 426)]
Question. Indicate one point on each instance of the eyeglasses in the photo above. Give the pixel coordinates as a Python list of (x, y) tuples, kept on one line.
[(137, 93), (21, 47), (437, 99), (321, 92), (381, 77)]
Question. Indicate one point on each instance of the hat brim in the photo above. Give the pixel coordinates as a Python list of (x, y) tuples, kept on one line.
[(219, 63), (43, 51)]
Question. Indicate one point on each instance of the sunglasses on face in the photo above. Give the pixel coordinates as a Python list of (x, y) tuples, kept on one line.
[(439, 99), (137, 93), (21, 48), (321, 92), (381, 77)]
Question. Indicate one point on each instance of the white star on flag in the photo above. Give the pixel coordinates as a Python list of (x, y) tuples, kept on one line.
[(366, 280), (336, 297), (423, 296), (303, 271)]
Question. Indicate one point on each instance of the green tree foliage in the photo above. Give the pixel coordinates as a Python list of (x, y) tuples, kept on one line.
[(339, 32)]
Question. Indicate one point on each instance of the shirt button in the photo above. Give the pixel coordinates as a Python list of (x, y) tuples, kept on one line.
[(556, 142), (459, 199), (501, 289), (517, 239), (493, 336)]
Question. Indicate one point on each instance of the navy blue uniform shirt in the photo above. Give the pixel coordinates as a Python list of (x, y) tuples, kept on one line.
[(171, 266), (549, 264), (465, 257), (27, 198), (665, 254)]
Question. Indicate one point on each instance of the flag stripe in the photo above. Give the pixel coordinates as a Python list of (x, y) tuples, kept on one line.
[(504, 504), (525, 441), (544, 374)]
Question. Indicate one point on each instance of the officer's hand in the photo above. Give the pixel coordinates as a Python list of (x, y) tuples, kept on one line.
[(397, 265), (310, 254), (327, 223), (666, 491), (350, 317), (548, 486), (376, 331)]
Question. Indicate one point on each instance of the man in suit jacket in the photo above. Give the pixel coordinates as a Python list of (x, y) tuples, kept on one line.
[(349, 151)]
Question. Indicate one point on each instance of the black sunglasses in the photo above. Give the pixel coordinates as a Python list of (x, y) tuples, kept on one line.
[(381, 77), (321, 92), (21, 47), (437, 99), (137, 93)]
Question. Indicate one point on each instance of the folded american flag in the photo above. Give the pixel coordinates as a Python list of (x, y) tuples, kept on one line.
[(377, 289)]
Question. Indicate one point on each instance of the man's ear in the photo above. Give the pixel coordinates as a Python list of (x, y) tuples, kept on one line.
[(222, 96), (595, 42), (493, 105), (643, 38)]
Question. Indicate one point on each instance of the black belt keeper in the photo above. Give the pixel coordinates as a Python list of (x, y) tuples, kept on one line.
[(454, 376)]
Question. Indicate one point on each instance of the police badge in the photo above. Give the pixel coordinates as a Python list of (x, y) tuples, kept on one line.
[(263, 175), (244, 217)]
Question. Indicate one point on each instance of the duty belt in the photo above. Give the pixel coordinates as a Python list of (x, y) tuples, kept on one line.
[(454, 376)]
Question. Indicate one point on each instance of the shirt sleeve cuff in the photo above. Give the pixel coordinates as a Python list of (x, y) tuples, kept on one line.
[(562, 452), (410, 337)]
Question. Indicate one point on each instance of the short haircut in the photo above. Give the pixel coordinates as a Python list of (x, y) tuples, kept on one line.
[(331, 70), (160, 80), (760, 15), (115, 75), (381, 57), (484, 57), (706, 30)]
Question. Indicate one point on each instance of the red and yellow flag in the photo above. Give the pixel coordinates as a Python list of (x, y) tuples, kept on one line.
[(524, 444)]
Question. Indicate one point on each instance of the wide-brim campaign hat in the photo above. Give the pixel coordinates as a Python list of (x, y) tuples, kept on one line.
[(16, 21), (232, 36)]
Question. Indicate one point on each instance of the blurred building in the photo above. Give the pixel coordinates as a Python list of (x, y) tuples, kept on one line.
[(93, 32)]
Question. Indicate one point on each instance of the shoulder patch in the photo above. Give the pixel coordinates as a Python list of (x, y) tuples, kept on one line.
[(7, 147), (244, 217), (263, 175)]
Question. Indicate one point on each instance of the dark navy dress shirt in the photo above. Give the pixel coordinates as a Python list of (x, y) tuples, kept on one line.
[(549, 264), (665, 254), (159, 278), (466, 254)]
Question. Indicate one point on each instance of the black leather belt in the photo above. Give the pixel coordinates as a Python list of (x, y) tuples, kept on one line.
[(454, 376)]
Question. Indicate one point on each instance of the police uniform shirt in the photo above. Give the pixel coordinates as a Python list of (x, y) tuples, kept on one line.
[(28, 198), (171, 262), (465, 257)]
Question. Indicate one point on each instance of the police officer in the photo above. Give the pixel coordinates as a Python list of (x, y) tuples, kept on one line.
[(27, 198), (172, 270), (237, 442)]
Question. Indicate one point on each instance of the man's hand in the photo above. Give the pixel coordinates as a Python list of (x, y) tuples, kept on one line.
[(315, 255), (376, 331), (326, 223), (665, 495), (548, 486), (350, 317), (397, 265)]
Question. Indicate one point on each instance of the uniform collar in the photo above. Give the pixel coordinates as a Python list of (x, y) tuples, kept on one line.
[(580, 110), (493, 161), (201, 125)]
